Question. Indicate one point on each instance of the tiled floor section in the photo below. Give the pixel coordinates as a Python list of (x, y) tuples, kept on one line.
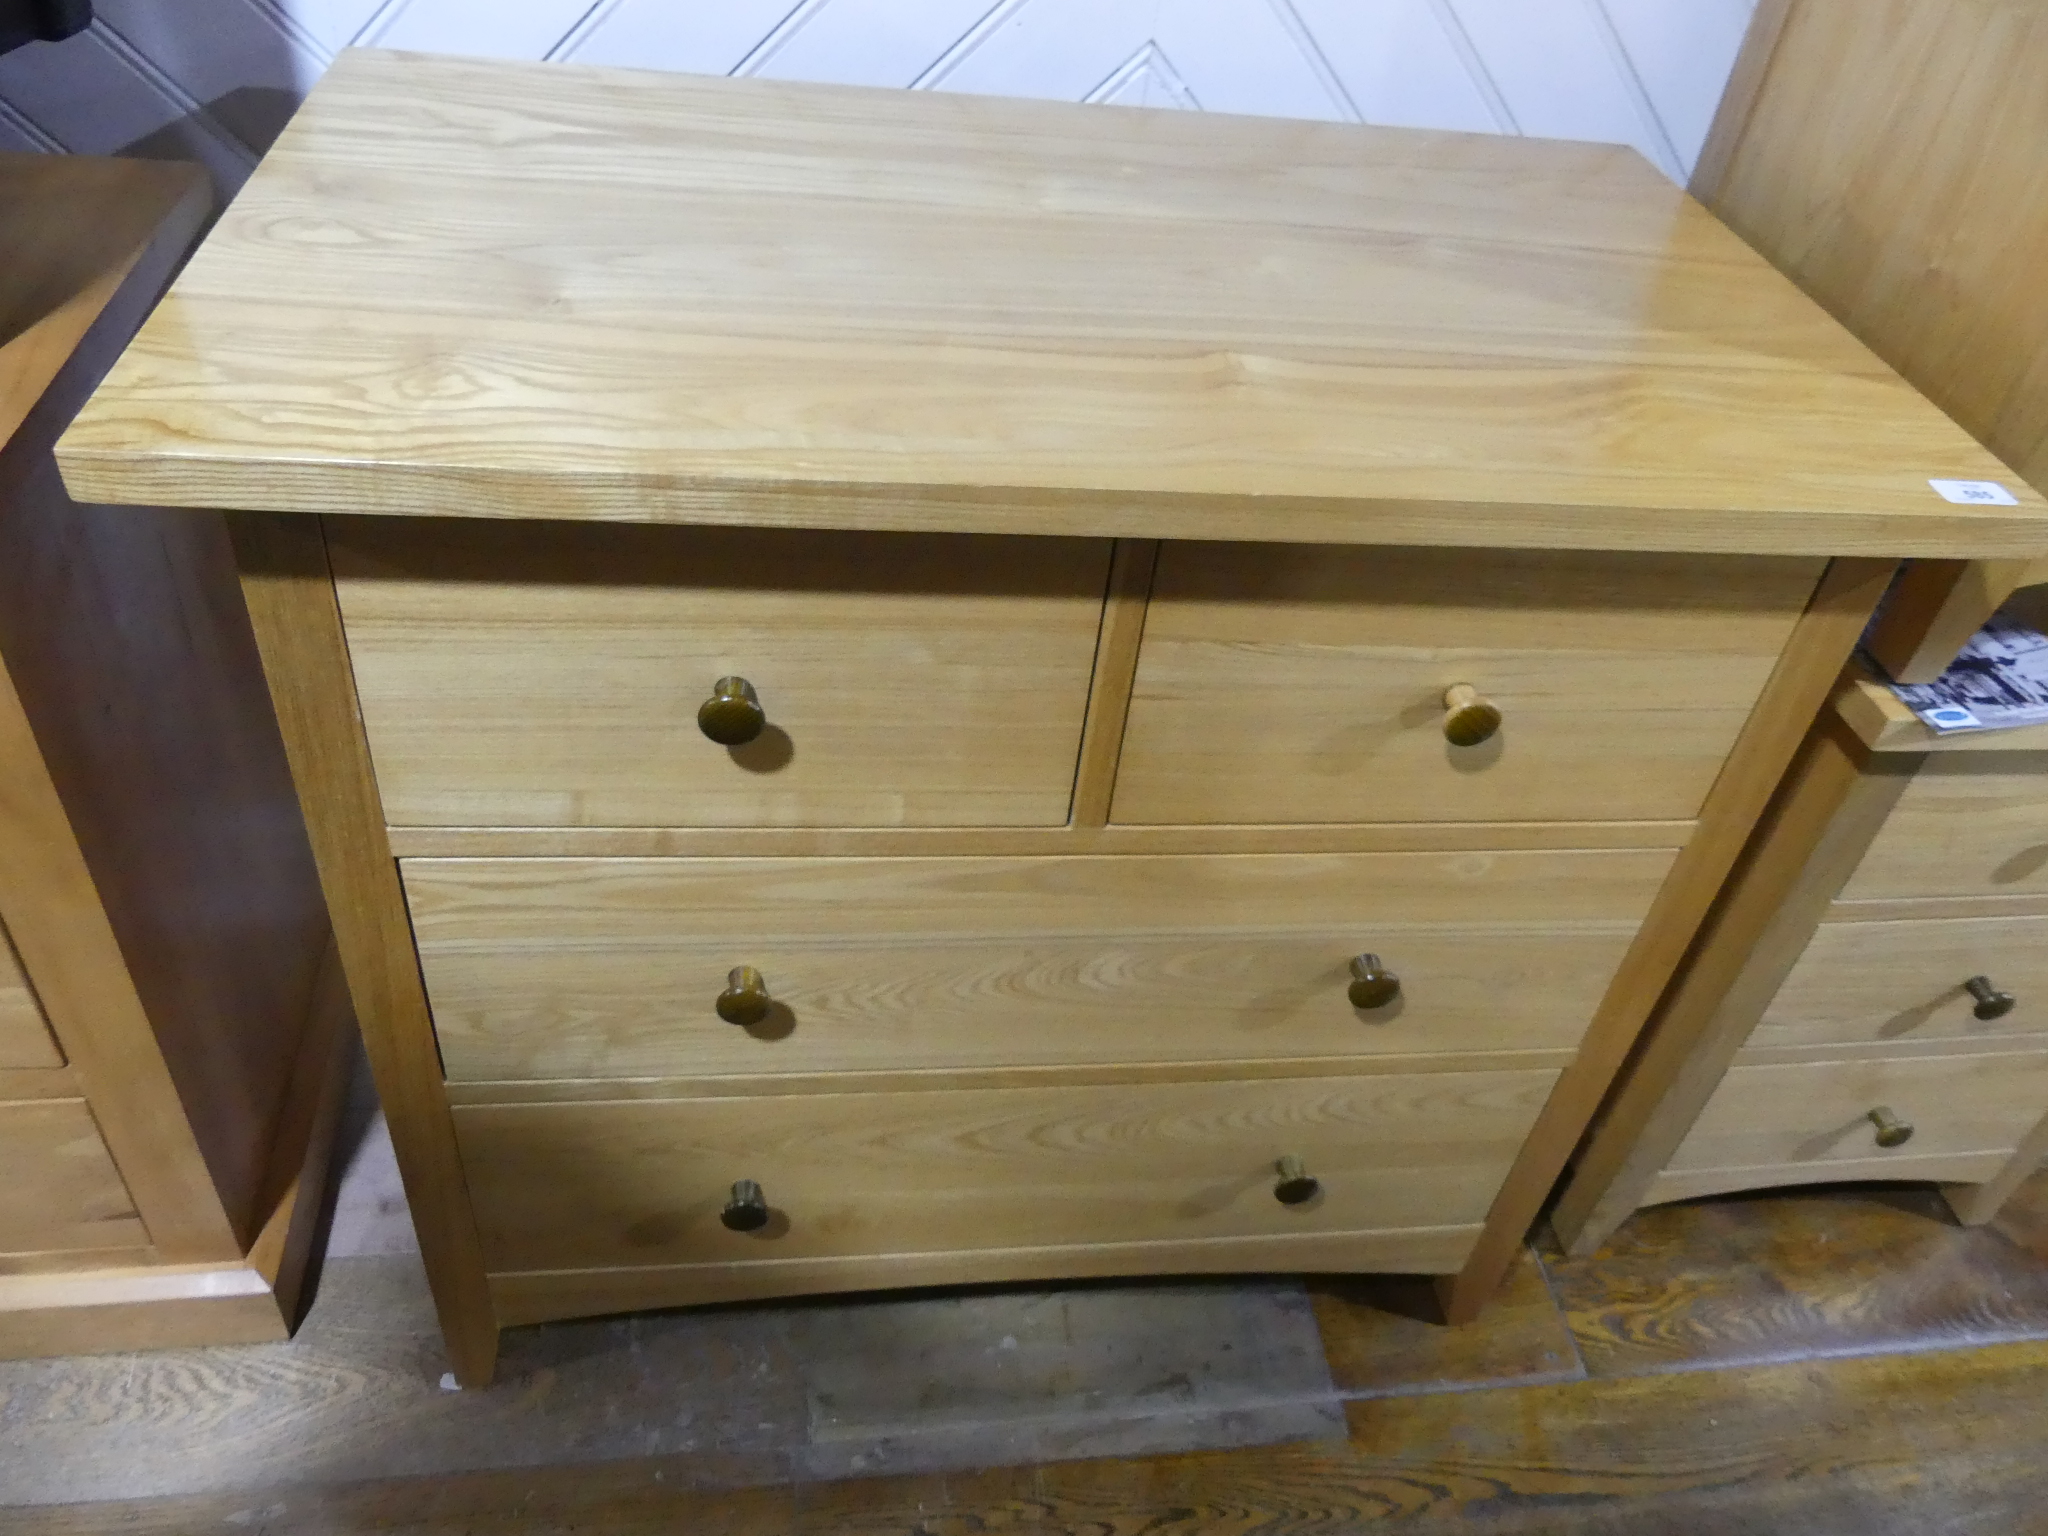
[(807, 1392)]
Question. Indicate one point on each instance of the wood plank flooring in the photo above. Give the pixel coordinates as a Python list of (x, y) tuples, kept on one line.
[(1882, 1445), (1749, 1279), (1841, 1360)]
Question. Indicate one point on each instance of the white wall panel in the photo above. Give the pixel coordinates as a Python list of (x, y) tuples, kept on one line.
[(1231, 55), (661, 34), (868, 42), (237, 58), (18, 133), (92, 95), (1683, 55), (1554, 67), (329, 25), (1400, 63), (497, 29), (211, 78)]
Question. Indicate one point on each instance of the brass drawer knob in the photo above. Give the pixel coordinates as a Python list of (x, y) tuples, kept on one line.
[(732, 716), (1891, 1130), (1296, 1186), (1469, 718), (745, 999), (1372, 984), (747, 1210), (1991, 1003)]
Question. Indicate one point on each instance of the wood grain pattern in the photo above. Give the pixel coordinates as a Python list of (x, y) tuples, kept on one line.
[(1934, 608), (1109, 691), (1894, 983), (1886, 163), (1739, 97), (37, 1083), (25, 1039), (1292, 684), (112, 1309), (1968, 825), (1977, 1204), (666, 299), (1889, 166), (638, 1184), (94, 243), (541, 969), (605, 1090), (290, 596), (1812, 660), (156, 875), (1014, 842), (123, 632), (1807, 841), (61, 1189), (64, 273), (55, 917), (1794, 1123), (106, 1301), (1896, 1444), (539, 1296), (1784, 1276), (1383, 1337), (1883, 722), (551, 674)]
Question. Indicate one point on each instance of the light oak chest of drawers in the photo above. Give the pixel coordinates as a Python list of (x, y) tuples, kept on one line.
[(897, 690), (1868, 1002)]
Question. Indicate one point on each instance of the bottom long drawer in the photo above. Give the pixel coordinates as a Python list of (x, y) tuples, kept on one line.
[(1811, 1122), (583, 1186)]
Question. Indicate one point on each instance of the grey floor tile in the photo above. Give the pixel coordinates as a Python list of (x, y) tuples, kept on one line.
[(929, 1383)]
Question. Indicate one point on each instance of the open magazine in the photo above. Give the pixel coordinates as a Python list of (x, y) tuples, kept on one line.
[(1999, 681)]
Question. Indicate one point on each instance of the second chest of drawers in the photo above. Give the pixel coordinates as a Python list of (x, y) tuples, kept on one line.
[(1884, 962)]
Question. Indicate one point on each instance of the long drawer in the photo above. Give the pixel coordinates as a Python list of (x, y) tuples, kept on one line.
[(1969, 824), (580, 1186), (552, 674), (564, 968), (1298, 683), (1905, 982), (1811, 1121), (61, 1189)]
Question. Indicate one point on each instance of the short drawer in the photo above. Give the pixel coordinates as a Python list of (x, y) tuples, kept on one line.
[(563, 1186), (566, 968), (522, 674), (25, 1038), (1968, 824), (1811, 1121), (61, 1190), (1899, 982), (1282, 683)]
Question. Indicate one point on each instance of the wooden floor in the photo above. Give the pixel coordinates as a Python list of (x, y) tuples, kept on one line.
[(1819, 1362)]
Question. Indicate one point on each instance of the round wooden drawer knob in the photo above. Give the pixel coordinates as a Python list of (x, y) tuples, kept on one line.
[(1372, 984), (1991, 1003), (1296, 1185), (747, 1210), (1891, 1130), (745, 999), (732, 716), (1469, 718)]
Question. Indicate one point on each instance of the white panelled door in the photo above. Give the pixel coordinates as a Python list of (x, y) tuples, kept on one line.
[(213, 78)]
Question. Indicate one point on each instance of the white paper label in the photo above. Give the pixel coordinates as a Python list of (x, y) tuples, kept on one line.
[(1975, 493)]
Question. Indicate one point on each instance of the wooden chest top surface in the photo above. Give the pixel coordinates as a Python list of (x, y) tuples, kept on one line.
[(487, 289)]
